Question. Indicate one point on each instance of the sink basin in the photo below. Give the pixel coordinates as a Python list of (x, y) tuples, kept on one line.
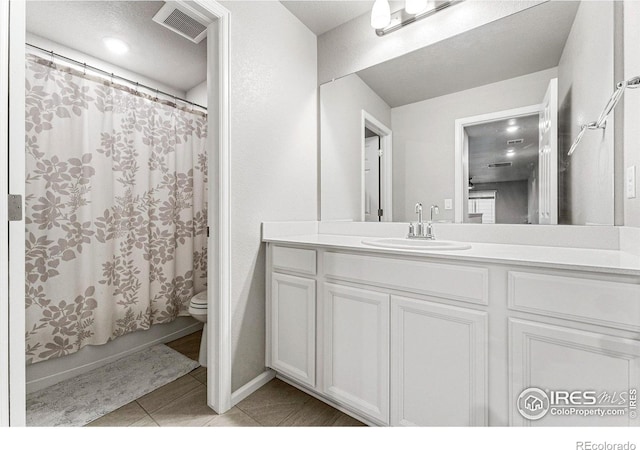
[(416, 244)]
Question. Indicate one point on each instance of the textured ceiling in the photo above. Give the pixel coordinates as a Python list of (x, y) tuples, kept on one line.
[(156, 52), (525, 42), (322, 16), (488, 145)]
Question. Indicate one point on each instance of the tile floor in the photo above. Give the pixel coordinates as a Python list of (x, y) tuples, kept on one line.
[(183, 402)]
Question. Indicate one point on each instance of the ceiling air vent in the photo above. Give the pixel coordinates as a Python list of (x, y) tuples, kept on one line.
[(515, 141), (496, 165), (184, 20)]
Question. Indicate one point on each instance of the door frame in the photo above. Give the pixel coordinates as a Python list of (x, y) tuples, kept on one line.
[(461, 178), (4, 224), (14, 67), (12, 314), (386, 171), (219, 353)]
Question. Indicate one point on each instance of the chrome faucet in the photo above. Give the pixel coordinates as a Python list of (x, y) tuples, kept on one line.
[(416, 231), (419, 225), (421, 230), (419, 212), (430, 234)]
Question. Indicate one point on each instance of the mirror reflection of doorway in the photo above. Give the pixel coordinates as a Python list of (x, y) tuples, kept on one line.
[(507, 164), (372, 155), (503, 171), (376, 141)]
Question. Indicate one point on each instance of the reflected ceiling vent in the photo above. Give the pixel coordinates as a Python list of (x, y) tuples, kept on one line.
[(184, 20), (515, 141), (496, 165)]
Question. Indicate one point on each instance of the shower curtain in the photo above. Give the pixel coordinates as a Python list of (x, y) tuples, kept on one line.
[(116, 210)]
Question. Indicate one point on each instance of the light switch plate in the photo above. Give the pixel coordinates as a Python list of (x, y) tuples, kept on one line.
[(448, 203), (630, 182)]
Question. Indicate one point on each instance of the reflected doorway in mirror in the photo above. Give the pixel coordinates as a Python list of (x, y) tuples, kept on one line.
[(514, 154), (376, 156)]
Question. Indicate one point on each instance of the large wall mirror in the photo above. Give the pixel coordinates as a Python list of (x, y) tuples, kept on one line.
[(480, 125)]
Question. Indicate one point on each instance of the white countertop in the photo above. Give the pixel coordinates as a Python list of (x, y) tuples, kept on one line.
[(593, 260)]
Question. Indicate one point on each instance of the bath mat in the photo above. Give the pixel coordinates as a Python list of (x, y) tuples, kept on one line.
[(77, 401)]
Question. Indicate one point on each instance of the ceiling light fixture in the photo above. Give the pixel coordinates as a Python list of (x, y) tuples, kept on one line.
[(380, 14), (116, 45), (512, 129), (511, 153), (413, 11)]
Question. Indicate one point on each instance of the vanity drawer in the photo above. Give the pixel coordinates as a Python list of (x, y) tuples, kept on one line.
[(294, 260), (608, 303), (456, 282)]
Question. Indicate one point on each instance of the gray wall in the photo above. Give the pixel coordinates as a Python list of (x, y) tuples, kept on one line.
[(341, 105), (632, 106), (273, 94), (354, 46), (511, 200), (99, 63), (198, 94), (424, 138), (585, 82)]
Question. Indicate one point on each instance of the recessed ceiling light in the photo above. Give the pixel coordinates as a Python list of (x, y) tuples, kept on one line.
[(116, 45), (510, 153), (512, 122), (512, 129)]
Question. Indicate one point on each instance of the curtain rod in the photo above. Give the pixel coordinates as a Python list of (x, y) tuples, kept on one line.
[(113, 76)]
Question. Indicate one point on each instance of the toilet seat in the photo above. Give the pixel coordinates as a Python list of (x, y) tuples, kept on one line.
[(198, 305)]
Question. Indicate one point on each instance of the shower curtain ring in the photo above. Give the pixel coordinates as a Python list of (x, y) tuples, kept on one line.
[(52, 56), (112, 78), (137, 85), (156, 94), (84, 69)]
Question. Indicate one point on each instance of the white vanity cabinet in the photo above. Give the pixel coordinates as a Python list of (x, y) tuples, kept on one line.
[(593, 347), (356, 349), (565, 359), (293, 327), (292, 318), (391, 359), (438, 364), (420, 340)]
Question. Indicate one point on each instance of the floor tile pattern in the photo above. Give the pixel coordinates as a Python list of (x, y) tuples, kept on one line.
[(183, 403)]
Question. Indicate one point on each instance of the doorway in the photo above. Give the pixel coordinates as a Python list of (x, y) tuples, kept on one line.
[(376, 152), (503, 168), (506, 167), (12, 376)]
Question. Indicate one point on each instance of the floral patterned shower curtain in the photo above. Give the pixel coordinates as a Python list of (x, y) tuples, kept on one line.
[(116, 210)]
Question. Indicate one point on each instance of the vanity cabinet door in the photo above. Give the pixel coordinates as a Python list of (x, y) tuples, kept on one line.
[(438, 364), (356, 349), (293, 327), (554, 359)]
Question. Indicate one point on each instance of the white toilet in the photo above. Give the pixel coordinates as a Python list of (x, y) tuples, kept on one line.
[(198, 309)]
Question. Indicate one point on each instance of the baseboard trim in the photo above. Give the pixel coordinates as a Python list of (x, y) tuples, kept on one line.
[(50, 380), (329, 402), (244, 391)]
